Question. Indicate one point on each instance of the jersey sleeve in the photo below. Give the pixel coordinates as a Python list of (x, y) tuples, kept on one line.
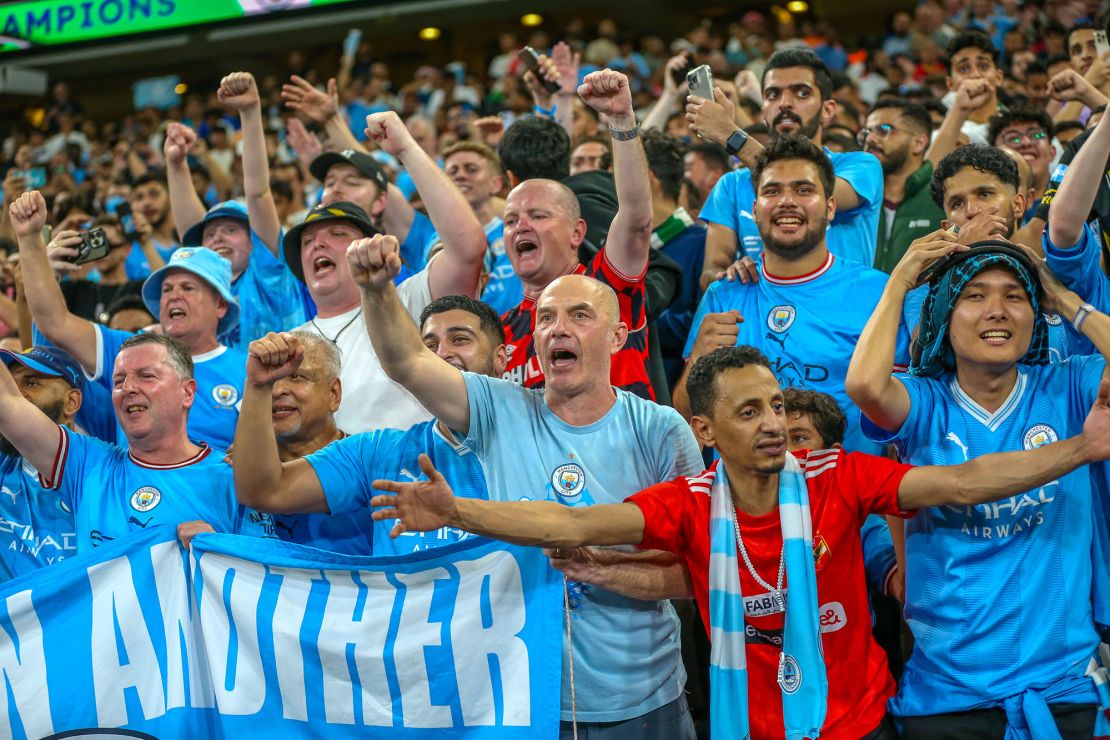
[(1077, 266), (678, 451), (78, 461), (414, 249), (629, 289), (871, 483), (920, 392), (864, 174), (902, 347), (488, 397), (721, 207), (347, 468), (664, 507)]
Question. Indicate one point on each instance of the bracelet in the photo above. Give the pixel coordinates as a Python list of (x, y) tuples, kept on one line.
[(544, 111), (628, 135), (1081, 316)]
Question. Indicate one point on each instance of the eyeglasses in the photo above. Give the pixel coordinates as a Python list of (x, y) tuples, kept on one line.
[(1015, 138), (882, 133)]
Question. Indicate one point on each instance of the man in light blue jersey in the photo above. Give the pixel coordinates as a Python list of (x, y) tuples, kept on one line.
[(316, 479), (36, 528), (998, 595), (797, 99), (578, 441), (190, 296), (270, 298), (808, 308), (162, 478)]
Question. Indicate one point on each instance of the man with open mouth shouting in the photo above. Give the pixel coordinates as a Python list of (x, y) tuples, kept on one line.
[(191, 298)]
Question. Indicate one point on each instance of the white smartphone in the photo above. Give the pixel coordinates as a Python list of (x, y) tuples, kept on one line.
[(1101, 44), (700, 82)]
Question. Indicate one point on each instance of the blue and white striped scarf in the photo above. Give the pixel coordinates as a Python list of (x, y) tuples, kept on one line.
[(802, 666)]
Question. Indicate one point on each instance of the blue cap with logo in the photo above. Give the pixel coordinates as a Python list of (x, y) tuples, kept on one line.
[(228, 209), (53, 362), (205, 264)]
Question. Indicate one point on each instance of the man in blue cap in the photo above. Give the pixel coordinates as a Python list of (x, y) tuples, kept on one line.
[(269, 296), (38, 529), (1011, 579), (190, 296)]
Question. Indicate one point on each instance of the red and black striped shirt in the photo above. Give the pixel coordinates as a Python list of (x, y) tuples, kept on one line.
[(629, 370)]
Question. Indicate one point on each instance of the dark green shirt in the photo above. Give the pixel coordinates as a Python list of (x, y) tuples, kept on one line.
[(916, 216)]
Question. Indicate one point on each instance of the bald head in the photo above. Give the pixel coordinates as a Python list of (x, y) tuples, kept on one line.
[(590, 290), (558, 194), (1025, 170)]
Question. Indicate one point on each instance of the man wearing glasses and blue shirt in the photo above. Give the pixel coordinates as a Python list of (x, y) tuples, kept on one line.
[(1028, 132)]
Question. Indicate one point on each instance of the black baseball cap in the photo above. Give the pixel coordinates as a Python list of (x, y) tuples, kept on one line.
[(291, 244), (367, 166)]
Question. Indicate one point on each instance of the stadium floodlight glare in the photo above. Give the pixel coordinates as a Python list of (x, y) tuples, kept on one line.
[(797, 6), (431, 33), (531, 19)]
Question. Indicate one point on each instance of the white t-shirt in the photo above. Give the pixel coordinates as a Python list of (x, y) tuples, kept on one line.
[(370, 399)]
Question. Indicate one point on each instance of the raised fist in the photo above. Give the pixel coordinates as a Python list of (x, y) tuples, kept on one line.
[(388, 132), (239, 91), (607, 92), (28, 213), (179, 140), (273, 357), (374, 261)]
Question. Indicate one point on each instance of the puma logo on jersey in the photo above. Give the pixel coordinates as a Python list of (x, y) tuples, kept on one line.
[(955, 439), (409, 475)]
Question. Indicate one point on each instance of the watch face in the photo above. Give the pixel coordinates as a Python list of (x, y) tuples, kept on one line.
[(736, 142)]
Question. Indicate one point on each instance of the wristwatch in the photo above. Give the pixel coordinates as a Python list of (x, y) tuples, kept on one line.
[(736, 142)]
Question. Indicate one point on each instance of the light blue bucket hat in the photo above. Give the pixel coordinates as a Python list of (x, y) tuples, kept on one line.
[(205, 264)]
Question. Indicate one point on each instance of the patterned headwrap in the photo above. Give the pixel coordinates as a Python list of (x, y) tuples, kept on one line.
[(932, 354)]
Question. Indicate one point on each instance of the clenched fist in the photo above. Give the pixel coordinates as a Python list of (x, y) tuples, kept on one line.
[(374, 261)]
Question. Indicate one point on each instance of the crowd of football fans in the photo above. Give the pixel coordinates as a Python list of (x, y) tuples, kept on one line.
[(883, 266)]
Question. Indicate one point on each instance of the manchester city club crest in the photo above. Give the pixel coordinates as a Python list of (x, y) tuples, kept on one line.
[(225, 395), (780, 318), (182, 254), (146, 498), (1039, 435), (790, 674), (568, 480)]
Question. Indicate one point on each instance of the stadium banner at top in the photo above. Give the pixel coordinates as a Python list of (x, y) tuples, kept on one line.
[(44, 23), (245, 637)]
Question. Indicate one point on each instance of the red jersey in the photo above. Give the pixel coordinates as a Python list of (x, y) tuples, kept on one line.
[(629, 369), (844, 488)]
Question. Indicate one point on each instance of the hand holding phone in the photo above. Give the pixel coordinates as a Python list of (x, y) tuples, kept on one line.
[(94, 245), (700, 82), (531, 61)]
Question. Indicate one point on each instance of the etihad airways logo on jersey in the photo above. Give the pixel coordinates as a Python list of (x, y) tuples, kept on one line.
[(1009, 516), (27, 541)]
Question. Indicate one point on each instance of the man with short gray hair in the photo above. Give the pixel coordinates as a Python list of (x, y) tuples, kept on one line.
[(162, 477)]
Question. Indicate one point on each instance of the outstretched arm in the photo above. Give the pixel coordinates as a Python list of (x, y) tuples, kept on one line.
[(239, 91), (647, 575), (440, 387), (991, 477), (428, 505), (48, 307), (262, 481), (608, 93), (881, 396), (457, 270), (185, 204)]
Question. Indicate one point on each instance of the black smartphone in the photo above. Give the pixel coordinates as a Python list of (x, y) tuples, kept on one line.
[(531, 61), (679, 75), (126, 220), (94, 245)]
